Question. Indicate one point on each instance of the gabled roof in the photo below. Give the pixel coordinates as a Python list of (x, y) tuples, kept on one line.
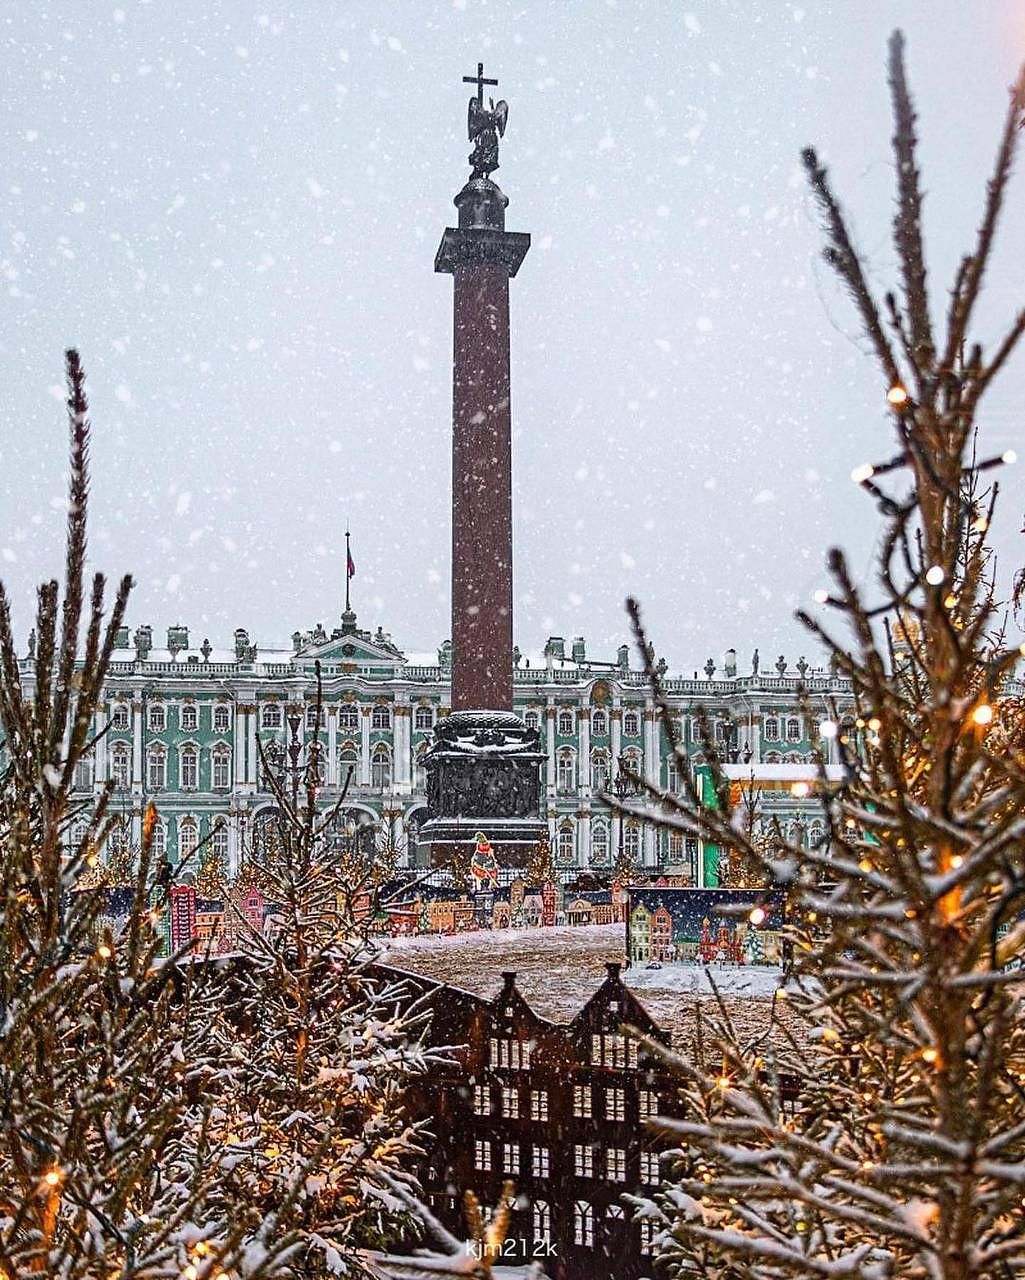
[(597, 1013)]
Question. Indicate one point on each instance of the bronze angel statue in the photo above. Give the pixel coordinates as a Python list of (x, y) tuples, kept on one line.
[(484, 126)]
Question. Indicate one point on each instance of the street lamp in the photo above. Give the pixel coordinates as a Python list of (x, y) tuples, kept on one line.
[(622, 785)]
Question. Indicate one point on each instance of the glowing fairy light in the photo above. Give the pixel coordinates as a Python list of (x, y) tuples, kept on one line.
[(820, 596), (897, 395), (756, 916), (800, 790), (865, 472), (983, 713), (935, 575), (1009, 456), (828, 728)]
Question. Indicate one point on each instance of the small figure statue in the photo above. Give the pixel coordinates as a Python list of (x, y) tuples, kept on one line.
[(484, 126), (754, 663), (709, 668), (32, 643), (206, 649), (781, 664), (802, 666)]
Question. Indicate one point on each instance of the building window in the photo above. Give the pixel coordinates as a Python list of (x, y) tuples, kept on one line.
[(189, 717), (582, 1101), (541, 1163), (510, 1157), (313, 720), (566, 842), (770, 730), (221, 771), (348, 759), (647, 1104), (270, 716), (222, 719), (509, 1052), (119, 716), (565, 724), (651, 1173), (672, 775), (599, 724), (219, 843), (157, 717), (188, 838), (482, 1154), (583, 1160), (600, 842), (420, 770), (648, 1229), (510, 1102), (482, 1099), (615, 1104), (631, 724), (632, 840), (380, 768), (189, 768), (566, 773), (532, 720), (157, 770), (793, 729), (675, 847), (158, 841), (583, 1224), (691, 848), (348, 717), (599, 770), (539, 1104), (381, 718), (84, 774), (424, 719), (120, 770), (542, 1216), (615, 1164)]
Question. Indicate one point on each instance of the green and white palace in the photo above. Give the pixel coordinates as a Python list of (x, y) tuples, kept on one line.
[(179, 726)]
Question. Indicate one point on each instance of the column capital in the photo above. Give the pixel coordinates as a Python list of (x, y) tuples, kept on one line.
[(463, 247)]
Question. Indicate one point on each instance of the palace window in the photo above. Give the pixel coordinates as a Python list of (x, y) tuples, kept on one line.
[(582, 1101), (532, 720), (84, 774), (600, 842), (672, 776), (615, 1164), (509, 1052), (119, 716), (156, 770), (510, 1157), (222, 719), (565, 724), (583, 1160), (675, 847), (793, 729), (539, 1104), (599, 724), (380, 768), (651, 1173), (158, 841), (482, 1154), (691, 848), (157, 717), (541, 1163), (599, 770), (188, 838), (424, 719), (219, 843), (632, 840), (566, 772), (510, 1102), (542, 1216), (270, 716), (420, 770), (631, 724), (221, 763), (313, 721), (348, 717), (381, 718), (482, 1099), (189, 768), (189, 717), (120, 770), (615, 1104), (583, 1224), (120, 838), (348, 758), (770, 729), (566, 842)]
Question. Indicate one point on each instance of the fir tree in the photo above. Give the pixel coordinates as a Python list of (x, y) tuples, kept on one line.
[(541, 867), (882, 1136)]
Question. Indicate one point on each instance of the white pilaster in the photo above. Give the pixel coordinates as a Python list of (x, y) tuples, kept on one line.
[(251, 758), (550, 740), (137, 744), (584, 759), (364, 749), (332, 746), (238, 743), (102, 748), (584, 840)]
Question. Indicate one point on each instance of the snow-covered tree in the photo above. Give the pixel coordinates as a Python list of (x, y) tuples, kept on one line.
[(105, 1159), (881, 1133), (541, 867), (309, 1096)]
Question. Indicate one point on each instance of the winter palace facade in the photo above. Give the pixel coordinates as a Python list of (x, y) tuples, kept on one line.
[(179, 726)]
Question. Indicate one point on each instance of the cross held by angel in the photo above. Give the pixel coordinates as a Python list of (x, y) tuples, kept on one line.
[(484, 126)]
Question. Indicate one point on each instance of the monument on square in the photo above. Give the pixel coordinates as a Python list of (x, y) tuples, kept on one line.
[(483, 766)]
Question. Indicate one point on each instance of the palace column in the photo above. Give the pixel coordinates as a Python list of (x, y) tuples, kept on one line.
[(332, 745)]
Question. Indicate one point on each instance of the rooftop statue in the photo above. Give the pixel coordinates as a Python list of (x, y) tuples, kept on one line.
[(484, 126)]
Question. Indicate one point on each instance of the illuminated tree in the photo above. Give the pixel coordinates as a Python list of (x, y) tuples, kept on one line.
[(541, 867), (882, 1136)]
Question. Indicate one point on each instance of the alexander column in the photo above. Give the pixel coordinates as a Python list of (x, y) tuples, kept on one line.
[(483, 766)]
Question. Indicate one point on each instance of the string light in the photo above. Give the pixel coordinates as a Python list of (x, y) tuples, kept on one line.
[(897, 395), (950, 602), (104, 952), (875, 724), (828, 728), (865, 472), (1009, 456), (820, 596), (53, 1177), (800, 790), (983, 713), (931, 1055), (934, 575), (757, 916)]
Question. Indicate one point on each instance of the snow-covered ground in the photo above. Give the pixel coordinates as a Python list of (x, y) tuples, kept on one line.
[(759, 981)]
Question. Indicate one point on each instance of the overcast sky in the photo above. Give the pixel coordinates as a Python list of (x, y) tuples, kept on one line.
[(232, 210)]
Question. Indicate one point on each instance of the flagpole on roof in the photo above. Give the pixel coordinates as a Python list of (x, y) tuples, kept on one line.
[(348, 562)]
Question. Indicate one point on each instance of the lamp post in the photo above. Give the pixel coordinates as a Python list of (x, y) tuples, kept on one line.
[(621, 786)]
